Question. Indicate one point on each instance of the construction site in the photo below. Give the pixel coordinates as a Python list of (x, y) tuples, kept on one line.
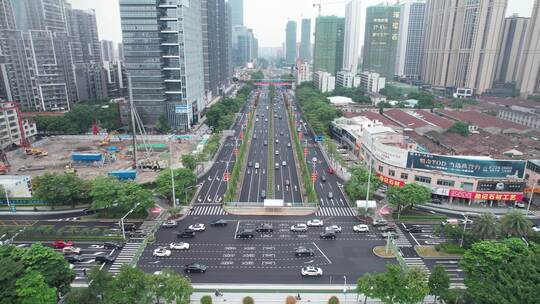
[(90, 156)]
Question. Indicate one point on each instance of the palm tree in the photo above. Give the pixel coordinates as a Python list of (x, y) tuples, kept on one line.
[(485, 227), (514, 223)]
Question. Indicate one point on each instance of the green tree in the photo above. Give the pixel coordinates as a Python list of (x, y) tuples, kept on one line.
[(485, 227), (50, 264), (257, 75), (81, 296), (502, 271), (396, 285), (183, 178), (163, 124), (514, 223), (356, 186), (460, 128), (391, 92), (115, 195), (408, 196), (32, 289), (61, 188), (10, 271), (101, 281), (131, 285), (171, 287), (333, 300), (189, 161), (425, 99), (438, 282), (248, 300), (206, 299)]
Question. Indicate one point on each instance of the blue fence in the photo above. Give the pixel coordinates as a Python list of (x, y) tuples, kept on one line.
[(23, 202)]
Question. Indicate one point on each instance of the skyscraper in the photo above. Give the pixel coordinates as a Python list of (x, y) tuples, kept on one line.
[(237, 12), (245, 45), (290, 42), (529, 73), (461, 43), (215, 37), (380, 41), (162, 49), (107, 50), (305, 41), (328, 50), (351, 49), (511, 49), (86, 22), (410, 40)]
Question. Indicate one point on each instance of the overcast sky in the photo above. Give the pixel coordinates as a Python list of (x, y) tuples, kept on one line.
[(267, 17)]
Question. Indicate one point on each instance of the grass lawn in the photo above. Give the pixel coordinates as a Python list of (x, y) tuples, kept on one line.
[(380, 251), (430, 252)]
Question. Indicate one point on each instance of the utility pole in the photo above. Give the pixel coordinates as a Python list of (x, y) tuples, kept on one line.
[(132, 111), (172, 172)]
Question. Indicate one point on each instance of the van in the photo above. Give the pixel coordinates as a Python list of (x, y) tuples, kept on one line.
[(256, 165), (277, 166), (266, 143), (330, 195), (263, 194), (284, 163)]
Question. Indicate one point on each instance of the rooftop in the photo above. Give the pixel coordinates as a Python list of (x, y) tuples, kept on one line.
[(404, 119), (434, 119), (379, 117), (481, 120), (340, 100)]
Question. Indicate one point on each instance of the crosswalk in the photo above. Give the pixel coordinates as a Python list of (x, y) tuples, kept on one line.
[(125, 256), (417, 263), (336, 211), (67, 219), (207, 210), (402, 240), (453, 271)]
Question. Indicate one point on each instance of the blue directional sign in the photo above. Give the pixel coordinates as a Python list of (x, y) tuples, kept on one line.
[(319, 138)]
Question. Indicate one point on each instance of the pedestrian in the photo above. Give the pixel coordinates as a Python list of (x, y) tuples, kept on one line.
[(84, 271)]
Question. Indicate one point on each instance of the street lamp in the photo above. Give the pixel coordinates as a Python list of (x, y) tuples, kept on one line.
[(172, 172), (185, 191), (122, 219), (530, 197), (464, 227), (368, 186)]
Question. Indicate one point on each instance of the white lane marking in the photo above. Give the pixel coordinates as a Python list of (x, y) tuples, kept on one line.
[(329, 262)]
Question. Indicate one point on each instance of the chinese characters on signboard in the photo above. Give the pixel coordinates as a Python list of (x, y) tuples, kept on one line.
[(500, 186), (390, 181), (467, 166), (477, 196)]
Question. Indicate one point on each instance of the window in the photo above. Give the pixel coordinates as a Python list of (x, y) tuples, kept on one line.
[(445, 182), (391, 172), (467, 186), (404, 176), (422, 179), (381, 169)]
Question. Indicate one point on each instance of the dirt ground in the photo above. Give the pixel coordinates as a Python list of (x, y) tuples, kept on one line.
[(59, 156)]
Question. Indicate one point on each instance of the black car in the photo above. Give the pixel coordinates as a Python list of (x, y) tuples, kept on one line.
[(389, 228), (265, 228), (414, 229), (186, 234), (328, 235), (107, 259), (112, 245), (245, 234), (219, 223), (127, 226), (73, 258), (303, 251), (194, 267), (323, 178)]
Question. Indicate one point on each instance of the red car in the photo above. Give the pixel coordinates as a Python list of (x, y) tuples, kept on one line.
[(330, 170), (62, 244)]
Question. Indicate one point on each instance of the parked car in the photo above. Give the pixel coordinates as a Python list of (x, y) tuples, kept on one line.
[(62, 244), (179, 246), (197, 227), (303, 251), (328, 235), (361, 228), (299, 228), (186, 234), (195, 267), (161, 252), (170, 224), (315, 223), (311, 271), (219, 223), (536, 228), (245, 234), (106, 259)]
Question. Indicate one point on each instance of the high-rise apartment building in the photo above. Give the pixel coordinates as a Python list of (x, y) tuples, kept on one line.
[(87, 31), (38, 51), (462, 39), (305, 41), (328, 49), (511, 49), (120, 49), (410, 40), (380, 41), (237, 12), (244, 45), (290, 42), (215, 35), (162, 48), (107, 50), (529, 73), (351, 49)]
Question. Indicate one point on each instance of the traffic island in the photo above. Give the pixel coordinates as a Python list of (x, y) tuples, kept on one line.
[(381, 252), (431, 252)]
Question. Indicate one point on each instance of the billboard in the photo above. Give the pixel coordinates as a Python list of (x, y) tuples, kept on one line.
[(477, 196), (500, 186), (390, 181), (385, 153), (488, 168)]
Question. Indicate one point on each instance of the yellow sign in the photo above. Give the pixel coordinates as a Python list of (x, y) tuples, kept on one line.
[(529, 190)]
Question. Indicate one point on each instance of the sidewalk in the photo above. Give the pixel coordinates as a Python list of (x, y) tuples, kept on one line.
[(459, 209)]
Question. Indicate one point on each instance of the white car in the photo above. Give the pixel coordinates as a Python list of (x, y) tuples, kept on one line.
[(311, 271), (197, 227), (315, 223), (161, 252), (536, 228), (179, 246), (333, 228), (299, 228), (71, 250), (361, 228)]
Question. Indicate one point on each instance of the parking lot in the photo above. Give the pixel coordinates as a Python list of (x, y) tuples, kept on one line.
[(267, 257)]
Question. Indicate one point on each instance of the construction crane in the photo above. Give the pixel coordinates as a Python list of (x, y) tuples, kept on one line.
[(28, 149), (320, 3)]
